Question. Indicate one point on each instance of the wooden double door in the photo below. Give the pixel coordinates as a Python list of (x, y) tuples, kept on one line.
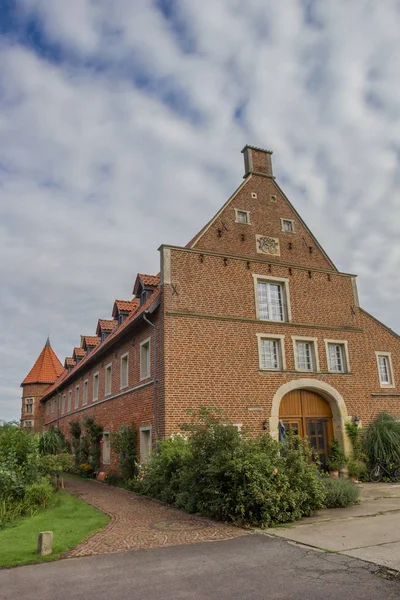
[(307, 413)]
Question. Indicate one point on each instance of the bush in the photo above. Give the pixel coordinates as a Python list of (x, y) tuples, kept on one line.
[(112, 478), (55, 465), (224, 474), (52, 442), (357, 469), (124, 443), (86, 470), (381, 440), (38, 494), (339, 493)]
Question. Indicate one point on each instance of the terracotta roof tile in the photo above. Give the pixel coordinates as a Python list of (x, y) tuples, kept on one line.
[(107, 324), (46, 368), (108, 341), (90, 341), (69, 362), (78, 353), (144, 279), (125, 306)]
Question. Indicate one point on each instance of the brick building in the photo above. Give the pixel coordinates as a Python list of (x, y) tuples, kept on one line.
[(251, 316)]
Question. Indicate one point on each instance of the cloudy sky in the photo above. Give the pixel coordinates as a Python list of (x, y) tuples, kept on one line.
[(121, 125)]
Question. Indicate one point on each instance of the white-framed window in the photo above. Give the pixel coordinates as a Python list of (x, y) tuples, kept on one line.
[(124, 372), (106, 448), (337, 355), (28, 406), (272, 298), (145, 359), (59, 403), (28, 424), (145, 443), (69, 405), (108, 372), (242, 216), (63, 404), (47, 408), (271, 352), (385, 369), (76, 404), (305, 352), (95, 387), (85, 392), (287, 225)]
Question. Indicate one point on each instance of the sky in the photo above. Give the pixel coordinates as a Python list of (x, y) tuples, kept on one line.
[(121, 126)]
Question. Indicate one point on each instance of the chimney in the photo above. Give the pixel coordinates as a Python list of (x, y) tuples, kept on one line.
[(258, 161)]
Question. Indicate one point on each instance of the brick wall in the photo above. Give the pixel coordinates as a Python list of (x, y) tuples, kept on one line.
[(35, 391)]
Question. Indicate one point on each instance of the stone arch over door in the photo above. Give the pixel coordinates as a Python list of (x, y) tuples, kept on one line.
[(331, 395)]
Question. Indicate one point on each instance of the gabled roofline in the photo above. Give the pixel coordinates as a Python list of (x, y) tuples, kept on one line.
[(207, 226), (396, 335), (150, 306)]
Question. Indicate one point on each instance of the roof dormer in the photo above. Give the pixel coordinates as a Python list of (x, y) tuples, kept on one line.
[(144, 286), (105, 327), (78, 354), (69, 363), (88, 342), (123, 308)]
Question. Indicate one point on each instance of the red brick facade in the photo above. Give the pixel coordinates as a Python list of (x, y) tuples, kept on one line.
[(209, 328)]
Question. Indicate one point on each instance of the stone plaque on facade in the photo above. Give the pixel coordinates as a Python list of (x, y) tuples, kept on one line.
[(268, 245)]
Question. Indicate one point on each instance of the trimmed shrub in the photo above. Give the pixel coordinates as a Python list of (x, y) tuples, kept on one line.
[(381, 440), (339, 493), (358, 469)]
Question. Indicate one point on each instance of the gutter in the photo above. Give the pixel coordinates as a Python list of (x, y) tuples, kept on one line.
[(147, 312)]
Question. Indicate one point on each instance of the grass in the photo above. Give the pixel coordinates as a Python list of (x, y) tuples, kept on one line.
[(70, 519)]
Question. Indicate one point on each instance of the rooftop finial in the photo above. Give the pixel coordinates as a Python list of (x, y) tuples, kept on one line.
[(48, 342)]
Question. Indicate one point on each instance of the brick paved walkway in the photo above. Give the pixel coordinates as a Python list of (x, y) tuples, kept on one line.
[(138, 522)]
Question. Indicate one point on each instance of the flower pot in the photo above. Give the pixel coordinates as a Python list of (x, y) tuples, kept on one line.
[(344, 473), (334, 474)]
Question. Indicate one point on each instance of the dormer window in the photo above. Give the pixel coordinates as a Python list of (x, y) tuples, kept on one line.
[(121, 317), (144, 296), (104, 335)]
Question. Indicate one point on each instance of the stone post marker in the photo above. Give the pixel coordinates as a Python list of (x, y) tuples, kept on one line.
[(45, 543)]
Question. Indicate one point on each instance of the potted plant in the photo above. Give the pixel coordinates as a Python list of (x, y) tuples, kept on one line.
[(357, 470), (336, 459)]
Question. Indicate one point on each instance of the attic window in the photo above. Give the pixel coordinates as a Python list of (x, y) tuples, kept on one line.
[(104, 335), (287, 225), (121, 317), (272, 198), (242, 216), (253, 195), (144, 296)]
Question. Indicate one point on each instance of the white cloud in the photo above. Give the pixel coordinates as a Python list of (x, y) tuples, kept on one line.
[(121, 130)]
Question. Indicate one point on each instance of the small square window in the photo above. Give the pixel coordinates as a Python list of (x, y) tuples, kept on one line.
[(242, 216), (337, 357), (95, 387), (108, 379), (270, 353), (272, 197), (305, 355), (145, 359), (253, 195), (287, 225)]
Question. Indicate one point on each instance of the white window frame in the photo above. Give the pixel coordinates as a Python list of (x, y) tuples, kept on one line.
[(28, 423), (96, 377), (124, 384), (388, 356), (246, 212), (63, 403), (76, 401), (281, 347), (315, 354), (29, 400), (69, 402), (345, 344), (289, 221), (106, 462), (284, 282), (108, 379), (146, 375), (85, 392), (142, 430)]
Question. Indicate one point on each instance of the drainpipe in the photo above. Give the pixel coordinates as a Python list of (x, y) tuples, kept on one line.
[(146, 312)]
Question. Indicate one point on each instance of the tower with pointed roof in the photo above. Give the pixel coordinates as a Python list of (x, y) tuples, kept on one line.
[(44, 372)]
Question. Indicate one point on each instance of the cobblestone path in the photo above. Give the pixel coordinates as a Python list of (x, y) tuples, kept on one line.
[(138, 522)]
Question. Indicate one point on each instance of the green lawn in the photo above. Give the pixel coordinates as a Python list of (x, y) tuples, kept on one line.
[(69, 518)]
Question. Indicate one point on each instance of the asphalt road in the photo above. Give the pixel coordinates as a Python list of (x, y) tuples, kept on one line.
[(252, 567)]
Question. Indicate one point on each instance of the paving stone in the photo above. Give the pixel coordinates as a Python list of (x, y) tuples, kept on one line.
[(138, 522)]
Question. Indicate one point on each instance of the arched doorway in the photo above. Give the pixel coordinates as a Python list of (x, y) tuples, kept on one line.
[(308, 413)]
